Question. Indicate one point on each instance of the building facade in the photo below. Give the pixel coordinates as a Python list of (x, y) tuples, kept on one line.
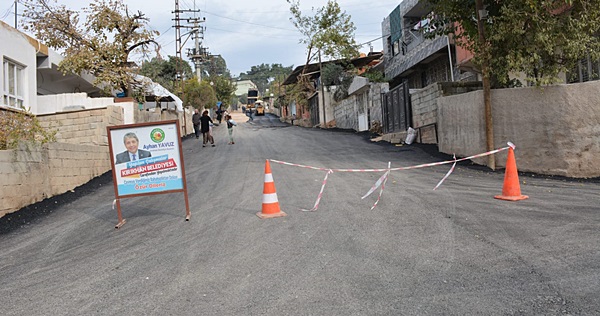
[(412, 58)]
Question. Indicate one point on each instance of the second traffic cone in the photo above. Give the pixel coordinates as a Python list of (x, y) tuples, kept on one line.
[(270, 204), (511, 190)]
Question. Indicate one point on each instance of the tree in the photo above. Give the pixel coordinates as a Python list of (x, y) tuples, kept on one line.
[(199, 95), (243, 98), (539, 38), (330, 31), (166, 72), (216, 66), (259, 74), (224, 89), (101, 45), (262, 75)]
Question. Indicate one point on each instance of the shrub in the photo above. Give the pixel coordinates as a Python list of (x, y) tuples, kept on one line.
[(22, 126)]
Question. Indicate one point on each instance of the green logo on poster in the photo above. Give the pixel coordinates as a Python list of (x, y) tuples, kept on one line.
[(157, 135)]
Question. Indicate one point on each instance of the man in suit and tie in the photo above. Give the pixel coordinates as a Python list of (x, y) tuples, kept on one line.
[(132, 153)]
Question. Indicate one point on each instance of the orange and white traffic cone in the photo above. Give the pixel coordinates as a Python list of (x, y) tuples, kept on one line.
[(270, 204), (511, 190)]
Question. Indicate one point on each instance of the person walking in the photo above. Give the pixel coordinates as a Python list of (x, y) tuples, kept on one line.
[(230, 124), (196, 122), (205, 122), (219, 115)]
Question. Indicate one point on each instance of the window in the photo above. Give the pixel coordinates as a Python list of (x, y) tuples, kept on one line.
[(13, 84)]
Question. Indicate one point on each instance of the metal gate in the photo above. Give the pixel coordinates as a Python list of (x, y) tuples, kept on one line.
[(314, 110), (397, 111)]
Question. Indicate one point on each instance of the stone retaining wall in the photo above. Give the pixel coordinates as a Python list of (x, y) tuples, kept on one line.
[(86, 127), (556, 129), (32, 173)]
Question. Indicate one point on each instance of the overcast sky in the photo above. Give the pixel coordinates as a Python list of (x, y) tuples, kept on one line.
[(246, 33)]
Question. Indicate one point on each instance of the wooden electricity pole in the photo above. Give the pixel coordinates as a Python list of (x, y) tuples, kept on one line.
[(487, 93)]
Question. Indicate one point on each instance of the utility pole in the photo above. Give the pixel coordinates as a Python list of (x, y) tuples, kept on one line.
[(198, 54), (485, 71), (178, 48), (178, 37), (322, 92)]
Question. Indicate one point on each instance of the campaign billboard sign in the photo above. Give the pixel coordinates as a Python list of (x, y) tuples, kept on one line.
[(146, 158)]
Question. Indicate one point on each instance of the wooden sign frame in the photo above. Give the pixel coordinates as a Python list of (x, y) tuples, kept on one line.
[(158, 166)]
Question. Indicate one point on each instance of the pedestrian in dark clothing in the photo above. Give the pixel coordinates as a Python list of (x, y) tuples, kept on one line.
[(196, 122), (205, 122), (219, 115)]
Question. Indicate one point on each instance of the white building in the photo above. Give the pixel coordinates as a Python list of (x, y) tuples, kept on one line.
[(30, 78)]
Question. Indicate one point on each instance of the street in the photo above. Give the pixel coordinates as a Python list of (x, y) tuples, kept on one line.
[(452, 251)]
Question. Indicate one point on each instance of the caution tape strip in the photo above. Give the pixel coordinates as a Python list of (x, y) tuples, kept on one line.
[(320, 193), (383, 179)]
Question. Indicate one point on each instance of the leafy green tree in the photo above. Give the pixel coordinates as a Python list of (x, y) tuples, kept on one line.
[(339, 76), (259, 74), (374, 76), (217, 66), (101, 45), (329, 34), (243, 98), (540, 38), (199, 95), (262, 75), (224, 89), (329, 31), (165, 72)]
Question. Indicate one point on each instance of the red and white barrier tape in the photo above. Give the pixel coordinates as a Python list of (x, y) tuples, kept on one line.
[(447, 174), (383, 179), (320, 193)]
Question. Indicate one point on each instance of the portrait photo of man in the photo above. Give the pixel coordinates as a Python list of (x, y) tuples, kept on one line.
[(132, 153)]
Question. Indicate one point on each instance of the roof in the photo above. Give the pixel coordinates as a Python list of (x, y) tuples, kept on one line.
[(155, 92), (314, 69)]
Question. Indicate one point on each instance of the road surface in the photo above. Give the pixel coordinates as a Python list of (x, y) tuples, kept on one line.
[(452, 251)]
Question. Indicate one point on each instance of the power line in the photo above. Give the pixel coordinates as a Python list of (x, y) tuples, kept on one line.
[(241, 21), (248, 33), (7, 12)]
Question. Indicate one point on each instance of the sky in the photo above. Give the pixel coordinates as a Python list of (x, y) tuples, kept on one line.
[(245, 33)]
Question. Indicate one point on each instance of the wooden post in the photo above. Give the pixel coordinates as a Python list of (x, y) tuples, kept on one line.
[(487, 93)]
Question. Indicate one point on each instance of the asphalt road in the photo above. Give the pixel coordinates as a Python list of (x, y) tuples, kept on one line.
[(452, 251)]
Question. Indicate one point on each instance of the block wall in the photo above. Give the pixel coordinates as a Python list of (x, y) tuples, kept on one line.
[(87, 127), (32, 173)]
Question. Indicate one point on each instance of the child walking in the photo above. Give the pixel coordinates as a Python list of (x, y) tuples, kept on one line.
[(230, 124)]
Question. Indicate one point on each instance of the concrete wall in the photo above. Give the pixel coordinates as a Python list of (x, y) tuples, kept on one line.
[(425, 107), (32, 173), (86, 127), (346, 115), (48, 104), (133, 114), (376, 102), (556, 129), (346, 112)]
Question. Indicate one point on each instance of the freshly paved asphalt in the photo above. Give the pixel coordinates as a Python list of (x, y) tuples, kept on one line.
[(452, 251)]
